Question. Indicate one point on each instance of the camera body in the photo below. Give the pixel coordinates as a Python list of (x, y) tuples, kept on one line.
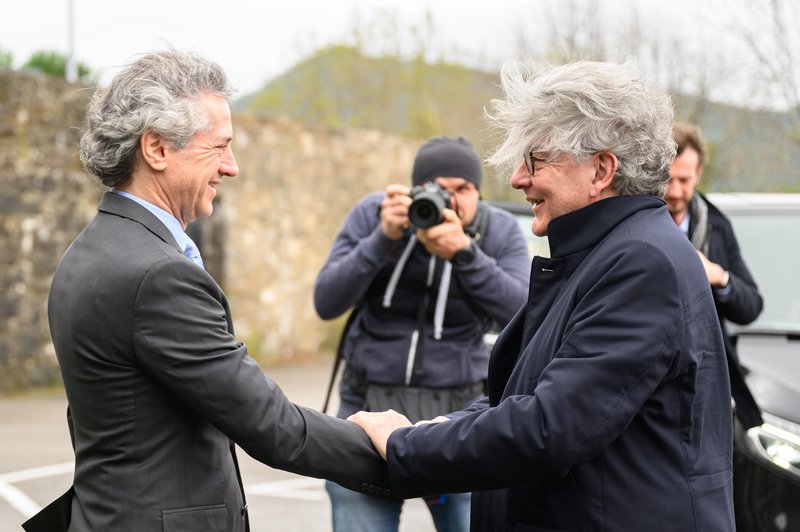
[(429, 201)]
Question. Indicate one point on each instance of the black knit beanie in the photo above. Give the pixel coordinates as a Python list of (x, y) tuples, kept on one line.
[(447, 157)]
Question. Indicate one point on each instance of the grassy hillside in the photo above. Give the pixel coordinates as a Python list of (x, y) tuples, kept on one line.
[(341, 87)]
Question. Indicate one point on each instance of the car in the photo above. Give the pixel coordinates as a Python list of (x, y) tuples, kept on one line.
[(766, 459), (766, 474)]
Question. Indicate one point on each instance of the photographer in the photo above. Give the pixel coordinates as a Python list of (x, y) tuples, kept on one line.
[(422, 298)]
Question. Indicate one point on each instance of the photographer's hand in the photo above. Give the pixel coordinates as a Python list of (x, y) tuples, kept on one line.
[(446, 238), (394, 211)]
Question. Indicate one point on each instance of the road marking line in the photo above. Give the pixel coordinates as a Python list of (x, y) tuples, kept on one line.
[(38, 472), (298, 495), (18, 500), (300, 489), (304, 489)]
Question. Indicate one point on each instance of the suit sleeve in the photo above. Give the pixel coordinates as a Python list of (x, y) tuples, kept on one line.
[(358, 254), (618, 347), (181, 338)]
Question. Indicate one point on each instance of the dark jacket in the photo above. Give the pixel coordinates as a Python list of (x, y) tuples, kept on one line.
[(358, 271), (741, 305), (159, 389), (609, 406)]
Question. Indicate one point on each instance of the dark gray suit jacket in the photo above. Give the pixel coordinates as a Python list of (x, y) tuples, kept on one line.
[(159, 389)]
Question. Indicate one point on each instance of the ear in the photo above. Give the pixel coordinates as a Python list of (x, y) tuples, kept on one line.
[(605, 170), (153, 150), (699, 172)]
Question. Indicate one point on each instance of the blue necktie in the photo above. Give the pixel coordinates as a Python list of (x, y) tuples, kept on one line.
[(193, 253)]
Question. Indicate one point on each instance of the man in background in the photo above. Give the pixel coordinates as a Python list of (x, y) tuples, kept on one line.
[(736, 295), (159, 389), (423, 295)]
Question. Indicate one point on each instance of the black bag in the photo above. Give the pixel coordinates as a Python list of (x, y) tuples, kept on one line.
[(419, 403)]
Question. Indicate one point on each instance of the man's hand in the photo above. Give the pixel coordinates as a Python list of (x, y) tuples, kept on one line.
[(714, 272), (444, 239), (437, 419), (394, 211), (379, 426)]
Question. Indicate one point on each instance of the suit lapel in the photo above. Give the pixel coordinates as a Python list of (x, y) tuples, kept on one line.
[(122, 206)]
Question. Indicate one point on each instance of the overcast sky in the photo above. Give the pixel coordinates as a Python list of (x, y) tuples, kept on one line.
[(256, 40)]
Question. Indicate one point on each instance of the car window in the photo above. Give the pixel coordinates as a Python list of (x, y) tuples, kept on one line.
[(537, 245), (769, 245)]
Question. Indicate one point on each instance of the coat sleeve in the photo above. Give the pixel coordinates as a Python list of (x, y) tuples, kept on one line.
[(497, 280), (359, 252), (617, 348), (743, 303), (181, 339)]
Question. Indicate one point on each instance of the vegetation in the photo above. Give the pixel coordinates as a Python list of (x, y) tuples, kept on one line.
[(342, 87), (6, 60), (54, 64), (418, 93)]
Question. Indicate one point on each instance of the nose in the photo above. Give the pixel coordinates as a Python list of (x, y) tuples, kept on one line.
[(521, 179), (228, 164)]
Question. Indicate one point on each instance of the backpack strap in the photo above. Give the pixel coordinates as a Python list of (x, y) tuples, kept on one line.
[(337, 362)]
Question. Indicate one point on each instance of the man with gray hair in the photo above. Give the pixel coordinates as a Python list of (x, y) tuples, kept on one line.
[(609, 404), (159, 389)]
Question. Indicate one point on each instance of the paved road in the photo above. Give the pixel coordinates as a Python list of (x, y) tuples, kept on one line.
[(36, 463)]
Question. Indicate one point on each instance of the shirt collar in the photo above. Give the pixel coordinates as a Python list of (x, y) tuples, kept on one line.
[(169, 221), (684, 225)]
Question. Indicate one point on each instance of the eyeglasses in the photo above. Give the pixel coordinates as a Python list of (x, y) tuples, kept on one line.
[(530, 160)]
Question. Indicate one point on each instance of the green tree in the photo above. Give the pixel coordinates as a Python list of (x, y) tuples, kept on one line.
[(54, 64), (6, 60)]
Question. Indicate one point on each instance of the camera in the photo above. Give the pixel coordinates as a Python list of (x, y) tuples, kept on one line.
[(426, 209)]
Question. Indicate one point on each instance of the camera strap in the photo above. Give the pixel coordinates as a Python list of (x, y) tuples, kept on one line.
[(477, 230), (480, 224)]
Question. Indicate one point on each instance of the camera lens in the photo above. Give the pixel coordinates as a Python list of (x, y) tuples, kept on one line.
[(424, 213), (429, 202)]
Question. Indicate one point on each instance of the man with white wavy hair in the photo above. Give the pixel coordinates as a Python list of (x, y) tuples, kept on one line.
[(608, 405)]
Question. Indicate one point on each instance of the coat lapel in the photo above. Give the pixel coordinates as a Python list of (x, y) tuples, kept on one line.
[(506, 349)]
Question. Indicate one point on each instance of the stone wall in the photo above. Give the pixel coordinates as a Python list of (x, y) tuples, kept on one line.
[(270, 233), (45, 198), (281, 215)]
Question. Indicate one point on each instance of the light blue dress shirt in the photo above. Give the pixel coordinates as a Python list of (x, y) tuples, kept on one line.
[(172, 224)]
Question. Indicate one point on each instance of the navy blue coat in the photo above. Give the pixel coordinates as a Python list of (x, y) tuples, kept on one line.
[(609, 403)]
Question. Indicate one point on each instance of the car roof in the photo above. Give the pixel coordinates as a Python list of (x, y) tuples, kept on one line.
[(735, 202), (756, 203)]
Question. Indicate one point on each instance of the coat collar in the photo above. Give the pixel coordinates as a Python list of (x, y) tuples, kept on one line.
[(585, 227), (121, 206)]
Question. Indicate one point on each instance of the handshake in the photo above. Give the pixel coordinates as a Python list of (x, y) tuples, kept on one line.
[(380, 425)]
